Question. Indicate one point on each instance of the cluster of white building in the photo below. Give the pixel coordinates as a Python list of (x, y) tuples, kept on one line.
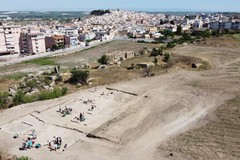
[(39, 37)]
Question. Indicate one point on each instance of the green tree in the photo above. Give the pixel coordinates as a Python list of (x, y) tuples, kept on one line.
[(166, 57), (161, 22), (167, 34), (206, 34), (170, 45), (186, 37), (103, 60), (226, 31), (79, 76), (216, 33), (179, 30), (156, 51)]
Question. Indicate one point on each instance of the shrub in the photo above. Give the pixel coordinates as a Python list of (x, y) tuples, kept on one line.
[(103, 60), (167, 34), (206, 34), (186, 37), (166, 57), (216, 33), (152, 74), (4, 100), (56, 93), (99, 12), (170, 45), (24, 158), (19, 98), (179, 30), (32, 83), (156, 51), (79, 76), (64, 91), (155, 61), (30, 98)]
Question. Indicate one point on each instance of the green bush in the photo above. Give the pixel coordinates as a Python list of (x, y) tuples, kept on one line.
[(24, 158), (156, 51), (216, 33), (64, 91), (166, 57), (179, 30), (152, 74), (32, 83), (155, 61), (170, 45), (19, 98), (30, 98), (79, 76), (56, 93), (167, 34), (99, 12), (186, 37), (4, 100), (103, 60)]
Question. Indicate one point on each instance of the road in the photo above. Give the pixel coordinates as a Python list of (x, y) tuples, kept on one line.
[(13, 59)]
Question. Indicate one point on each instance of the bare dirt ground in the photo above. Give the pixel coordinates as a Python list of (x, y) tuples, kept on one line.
[(180, 115)]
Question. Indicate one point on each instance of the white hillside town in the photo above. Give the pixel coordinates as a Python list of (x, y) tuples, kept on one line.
[(41, 36)]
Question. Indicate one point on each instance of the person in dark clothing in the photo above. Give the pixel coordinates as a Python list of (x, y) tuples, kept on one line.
[(81, 117)]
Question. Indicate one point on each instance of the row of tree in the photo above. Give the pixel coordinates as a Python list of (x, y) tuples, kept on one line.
[(99, 12)]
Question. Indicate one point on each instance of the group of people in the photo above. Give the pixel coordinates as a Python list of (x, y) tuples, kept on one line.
[(88, 101), (55, 144), (67, 110), (29, 143)]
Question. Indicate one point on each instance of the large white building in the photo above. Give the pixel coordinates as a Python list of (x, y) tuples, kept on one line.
[(12, 36), (3, 47), (9, 39), (33, 43), (225, 25)]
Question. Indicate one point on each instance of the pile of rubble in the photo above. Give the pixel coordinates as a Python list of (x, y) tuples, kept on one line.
[(31, 84)]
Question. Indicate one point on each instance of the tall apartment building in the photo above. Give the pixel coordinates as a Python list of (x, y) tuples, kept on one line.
[(3, 47), (12, 37), (32, 43)]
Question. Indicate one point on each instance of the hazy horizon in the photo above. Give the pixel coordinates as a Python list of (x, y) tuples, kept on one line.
[(140, 5), (137, 10)]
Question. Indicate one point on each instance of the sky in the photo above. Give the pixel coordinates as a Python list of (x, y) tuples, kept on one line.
[(146, 5)]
